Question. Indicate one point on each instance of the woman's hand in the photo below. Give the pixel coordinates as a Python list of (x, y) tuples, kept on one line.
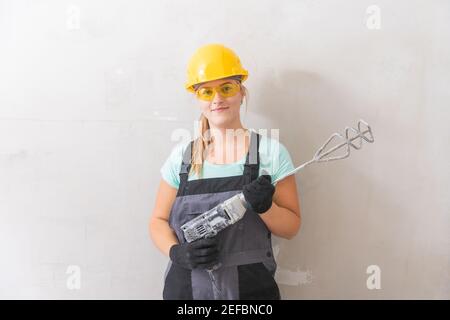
[(202, 254), (259, 193)]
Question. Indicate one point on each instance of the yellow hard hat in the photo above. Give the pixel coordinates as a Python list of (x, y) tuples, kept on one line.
[(212, 62)]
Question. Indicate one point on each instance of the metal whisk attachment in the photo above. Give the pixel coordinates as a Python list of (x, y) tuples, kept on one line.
[(353, 138)]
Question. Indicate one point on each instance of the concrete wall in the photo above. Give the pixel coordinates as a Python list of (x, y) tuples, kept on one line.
[(92, 91)]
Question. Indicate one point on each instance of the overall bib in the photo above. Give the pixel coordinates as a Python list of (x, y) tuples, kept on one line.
[(247, 263)]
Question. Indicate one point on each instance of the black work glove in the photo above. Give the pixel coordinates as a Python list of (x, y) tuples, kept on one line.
[(259, 193), (202, 254)]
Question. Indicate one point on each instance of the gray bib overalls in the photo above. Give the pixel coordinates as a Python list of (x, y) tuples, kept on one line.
[(247, 264)]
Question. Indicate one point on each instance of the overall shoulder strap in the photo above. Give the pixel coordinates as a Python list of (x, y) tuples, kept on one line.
[(251, 166), (185, 167)]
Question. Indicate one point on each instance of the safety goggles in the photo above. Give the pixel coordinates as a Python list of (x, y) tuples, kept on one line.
[(225, 90)]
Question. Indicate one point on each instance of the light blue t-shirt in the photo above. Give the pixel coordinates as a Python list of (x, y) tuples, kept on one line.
[(274, 158)]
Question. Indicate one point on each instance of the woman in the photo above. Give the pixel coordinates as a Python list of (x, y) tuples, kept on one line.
[(238, 263)]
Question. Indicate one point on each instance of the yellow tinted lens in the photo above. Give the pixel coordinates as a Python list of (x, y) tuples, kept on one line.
[(205, 94), (228, 89), (225, 90)]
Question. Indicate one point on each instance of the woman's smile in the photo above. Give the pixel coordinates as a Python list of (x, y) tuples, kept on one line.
[(221, 109)]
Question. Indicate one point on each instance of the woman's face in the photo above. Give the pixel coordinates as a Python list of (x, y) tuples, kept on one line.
[(230, 107)]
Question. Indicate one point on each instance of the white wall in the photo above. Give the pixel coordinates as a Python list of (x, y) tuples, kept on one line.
[(91, 92)]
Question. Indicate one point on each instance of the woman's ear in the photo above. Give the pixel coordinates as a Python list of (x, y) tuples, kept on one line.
[(242, 93)]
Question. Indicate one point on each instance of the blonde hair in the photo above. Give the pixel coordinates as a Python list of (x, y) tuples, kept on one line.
[(201, 144)]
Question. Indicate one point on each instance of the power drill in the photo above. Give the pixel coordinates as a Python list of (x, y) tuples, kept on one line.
[(209, 223)]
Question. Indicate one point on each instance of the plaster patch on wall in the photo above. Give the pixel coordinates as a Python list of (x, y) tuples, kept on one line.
[(12, 157), (293, 278), (288, 277)]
